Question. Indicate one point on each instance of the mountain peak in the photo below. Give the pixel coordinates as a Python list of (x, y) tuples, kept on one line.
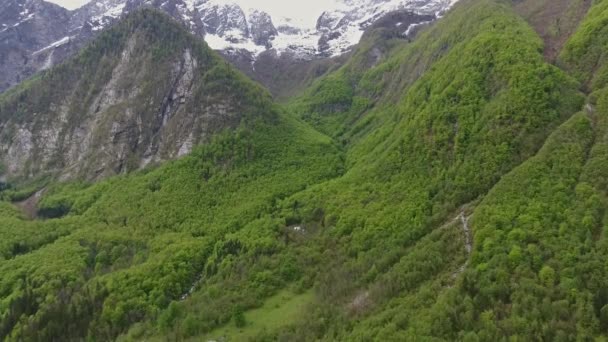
[(41, 34)]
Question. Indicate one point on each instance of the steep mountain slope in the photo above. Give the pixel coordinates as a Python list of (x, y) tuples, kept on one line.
[(482, 107), (554, 21), (142, 93), (536, 271), (461, 196), (538, 267), (111, 263)]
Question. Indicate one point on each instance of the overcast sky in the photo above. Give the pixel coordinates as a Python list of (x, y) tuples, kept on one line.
[(69, 4), (306, 11)]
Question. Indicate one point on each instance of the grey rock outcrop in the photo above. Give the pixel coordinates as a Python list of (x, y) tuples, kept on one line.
[(261, 28), (27, 26), (130, 110)]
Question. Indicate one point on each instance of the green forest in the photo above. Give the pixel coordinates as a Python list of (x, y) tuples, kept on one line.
[(456, 190)]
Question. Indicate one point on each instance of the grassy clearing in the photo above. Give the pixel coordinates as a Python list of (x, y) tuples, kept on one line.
[(278, 311)]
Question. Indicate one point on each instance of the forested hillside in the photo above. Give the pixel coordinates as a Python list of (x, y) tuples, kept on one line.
[(452, 187)]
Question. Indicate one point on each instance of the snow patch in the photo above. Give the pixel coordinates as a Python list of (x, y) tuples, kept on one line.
[(54, 45), (190, 5), (48, 63), (26, 19), (412, 27), (217, 42), (112, 13), (345, 23)]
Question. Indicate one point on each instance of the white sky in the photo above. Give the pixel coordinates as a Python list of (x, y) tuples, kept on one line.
[(69, 4), (304, 11)]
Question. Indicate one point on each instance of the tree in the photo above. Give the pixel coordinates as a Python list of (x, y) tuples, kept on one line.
[(239, 317), (547, 276)]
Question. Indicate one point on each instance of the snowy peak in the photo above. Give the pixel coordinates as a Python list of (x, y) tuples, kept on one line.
[(227, 20), (337, 29), (99, 14), (234, 25), (262, 28), (37, 34)]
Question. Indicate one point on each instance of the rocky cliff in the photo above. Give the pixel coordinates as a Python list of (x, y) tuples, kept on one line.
[(143, 92)]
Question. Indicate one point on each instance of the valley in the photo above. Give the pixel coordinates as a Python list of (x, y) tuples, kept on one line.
[(450, 185)]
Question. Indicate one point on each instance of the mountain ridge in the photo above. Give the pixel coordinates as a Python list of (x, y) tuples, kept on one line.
[(237, 32)]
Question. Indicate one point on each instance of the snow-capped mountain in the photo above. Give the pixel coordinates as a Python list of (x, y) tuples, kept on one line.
[(338, 27), (35, 34)]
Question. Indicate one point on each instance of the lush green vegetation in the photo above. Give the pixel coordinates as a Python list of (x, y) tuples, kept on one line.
[(131, 245), (278, 311), (347, 215), (120, 251)]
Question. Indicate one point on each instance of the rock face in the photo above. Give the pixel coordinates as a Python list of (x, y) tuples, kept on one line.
[(144, 92), (26, 28), (261, 28), (400, 24), (35, 35), (224, 20)]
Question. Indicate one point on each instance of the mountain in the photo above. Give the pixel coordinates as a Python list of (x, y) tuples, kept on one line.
[(143, 90), (450, 186), (336, 30), (139, 94), (40, 34)]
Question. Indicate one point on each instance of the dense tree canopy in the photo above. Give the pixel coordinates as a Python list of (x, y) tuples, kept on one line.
[(456, 190)]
